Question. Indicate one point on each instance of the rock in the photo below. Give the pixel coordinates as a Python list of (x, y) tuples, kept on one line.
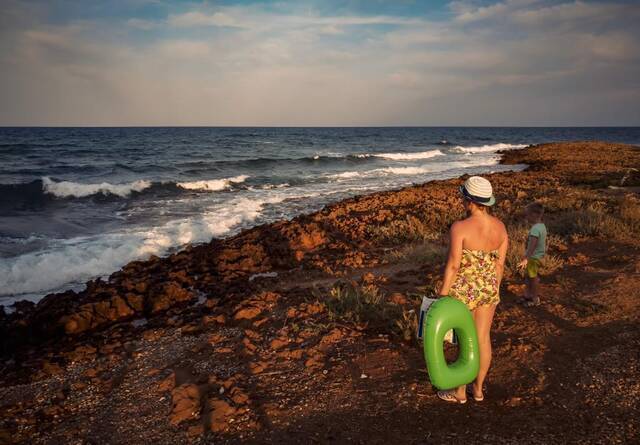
[(239, 397), (248, 313), (49, 368), (52, 411), (332, 337), (292, 313), (312, 309), (92, 315), (316, 360), (210, 319), (248, 345), (221, 412), (195, 431), (257, 367), (152, 334), (167, 296), (279, 343), (78, 386), (168, 383), (216, 339), (252, 334), (291, 355), (186, 403), (91, 372)]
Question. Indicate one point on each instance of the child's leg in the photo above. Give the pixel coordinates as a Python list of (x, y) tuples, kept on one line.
[(527, 288), (535, 287)]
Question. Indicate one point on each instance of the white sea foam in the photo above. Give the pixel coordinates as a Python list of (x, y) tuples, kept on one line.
[(212, 185), (71, 262), (407, 170), (419, 169), (68, 189), (410, 156), (489, 148), (345, 175)]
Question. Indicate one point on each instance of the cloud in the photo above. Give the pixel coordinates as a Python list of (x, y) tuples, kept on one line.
[(519, 62), (197, 18)]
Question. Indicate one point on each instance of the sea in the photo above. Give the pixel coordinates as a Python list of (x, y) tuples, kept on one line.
[(79, 203)]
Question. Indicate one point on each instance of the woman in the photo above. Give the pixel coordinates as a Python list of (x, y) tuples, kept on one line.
[(477, 251)]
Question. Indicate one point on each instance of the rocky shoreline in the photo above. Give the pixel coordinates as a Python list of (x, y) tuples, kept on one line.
[(252, 338)]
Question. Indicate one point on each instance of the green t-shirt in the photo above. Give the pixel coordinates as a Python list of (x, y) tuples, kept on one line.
[(538, 230)]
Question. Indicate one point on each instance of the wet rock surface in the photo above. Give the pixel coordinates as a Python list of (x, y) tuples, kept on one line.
[(188, 349)]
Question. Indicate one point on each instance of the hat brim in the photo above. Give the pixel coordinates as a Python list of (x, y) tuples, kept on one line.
[(489, 203)]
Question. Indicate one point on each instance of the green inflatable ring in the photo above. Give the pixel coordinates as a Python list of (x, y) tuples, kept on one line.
[(449, 313)]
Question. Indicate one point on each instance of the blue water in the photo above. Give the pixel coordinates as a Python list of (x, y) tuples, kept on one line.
[(77, 203)]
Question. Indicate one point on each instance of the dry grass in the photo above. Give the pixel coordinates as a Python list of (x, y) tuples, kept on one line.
[(421, 253), (550, 264), (613, 219), (630, 214), (362, 305), (407, 324), (409, 229)]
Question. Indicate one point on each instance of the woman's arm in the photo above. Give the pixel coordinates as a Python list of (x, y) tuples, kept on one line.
[(502, 255), (453, 260)]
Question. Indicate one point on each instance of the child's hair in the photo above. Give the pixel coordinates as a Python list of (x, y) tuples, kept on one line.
[(536, 209)]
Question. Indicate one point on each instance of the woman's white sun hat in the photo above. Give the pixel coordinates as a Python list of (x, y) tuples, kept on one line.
[(478, 190)]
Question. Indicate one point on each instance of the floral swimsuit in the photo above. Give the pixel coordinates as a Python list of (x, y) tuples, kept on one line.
[(476, 283)]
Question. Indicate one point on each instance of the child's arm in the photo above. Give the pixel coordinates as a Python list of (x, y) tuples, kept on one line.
[(533, 243), (453, 260), (531, 247)]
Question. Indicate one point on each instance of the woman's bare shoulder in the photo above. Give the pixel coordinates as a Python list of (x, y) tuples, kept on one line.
[(499, 224)]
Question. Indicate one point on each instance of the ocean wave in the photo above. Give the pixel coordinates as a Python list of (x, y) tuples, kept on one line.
[(69, 189), (406, 170), (67, 263), (488, 148), (418, 170), (21, 145), (410, 156), (213, 184), (345, 175)]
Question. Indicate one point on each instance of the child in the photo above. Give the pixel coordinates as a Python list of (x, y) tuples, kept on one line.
[(536, 248)]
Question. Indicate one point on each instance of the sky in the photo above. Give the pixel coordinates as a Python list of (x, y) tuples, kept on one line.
[(319, 63)]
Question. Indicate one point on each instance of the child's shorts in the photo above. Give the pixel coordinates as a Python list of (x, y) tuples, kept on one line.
[(533, 264)]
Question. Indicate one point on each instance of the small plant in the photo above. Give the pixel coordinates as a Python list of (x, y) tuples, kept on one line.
[(424, 253), (630, 214), (515, 251), (407, 324), (409, 229), (550, 264), (361, 304)]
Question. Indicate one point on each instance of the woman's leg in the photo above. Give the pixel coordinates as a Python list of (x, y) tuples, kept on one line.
[(483, 317)]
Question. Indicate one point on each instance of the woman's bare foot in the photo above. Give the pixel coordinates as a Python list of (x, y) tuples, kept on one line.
[(451, 397), (475, 392)]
